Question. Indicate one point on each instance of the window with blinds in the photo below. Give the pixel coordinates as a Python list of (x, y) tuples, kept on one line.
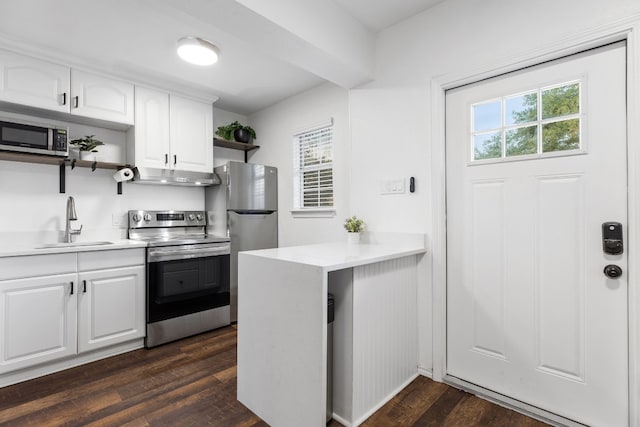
[(313, 168)]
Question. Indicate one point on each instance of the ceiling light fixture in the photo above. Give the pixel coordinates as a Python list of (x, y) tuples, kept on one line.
[(197, 51)]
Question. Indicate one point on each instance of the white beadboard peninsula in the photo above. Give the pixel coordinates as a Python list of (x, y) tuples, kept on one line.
[(282, 332)]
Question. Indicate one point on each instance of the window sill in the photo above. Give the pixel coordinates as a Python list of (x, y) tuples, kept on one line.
[(313, 213)]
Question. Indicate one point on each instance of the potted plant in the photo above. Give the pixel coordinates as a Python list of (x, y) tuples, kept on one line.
[(354, 227), (86, 145), (237, 131)]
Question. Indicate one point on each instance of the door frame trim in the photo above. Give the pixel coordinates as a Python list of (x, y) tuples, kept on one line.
[(627, 29)]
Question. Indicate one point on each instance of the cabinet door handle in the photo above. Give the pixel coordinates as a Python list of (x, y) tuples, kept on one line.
[(71, 288), (64, 98), (175, 159), (84, 286), (166, 158), (76, 101)]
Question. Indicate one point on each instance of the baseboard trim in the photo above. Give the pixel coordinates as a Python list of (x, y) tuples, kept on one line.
[(510, 403), (425, 372), (26, 374), (383, 402)]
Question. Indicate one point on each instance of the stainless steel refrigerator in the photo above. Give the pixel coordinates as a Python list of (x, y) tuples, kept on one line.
[(243, 207)]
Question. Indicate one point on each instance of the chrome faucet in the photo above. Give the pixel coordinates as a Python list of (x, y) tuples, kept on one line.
[(71, 216)]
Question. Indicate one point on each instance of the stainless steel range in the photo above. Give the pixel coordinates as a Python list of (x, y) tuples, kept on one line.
[(187, 274)]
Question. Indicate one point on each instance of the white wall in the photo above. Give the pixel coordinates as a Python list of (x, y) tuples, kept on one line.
[(391, 116), (275, 127)]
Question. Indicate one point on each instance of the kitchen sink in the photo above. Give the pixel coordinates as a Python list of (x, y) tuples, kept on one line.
[(73, 244)]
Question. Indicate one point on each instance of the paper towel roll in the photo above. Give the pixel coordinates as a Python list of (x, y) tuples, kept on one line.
[(124, 174)]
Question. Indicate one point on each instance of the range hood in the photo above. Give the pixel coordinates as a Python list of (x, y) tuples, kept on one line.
[(173, 177)]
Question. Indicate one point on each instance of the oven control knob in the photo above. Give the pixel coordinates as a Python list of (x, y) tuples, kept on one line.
[(199, 217), (137, 217), (147, 217), (192, 217)]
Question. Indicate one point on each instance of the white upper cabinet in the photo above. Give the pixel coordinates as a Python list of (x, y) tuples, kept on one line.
[(29, 81), (172, 132), (152, 147), (101, 98), (35, 83), (191, 128)]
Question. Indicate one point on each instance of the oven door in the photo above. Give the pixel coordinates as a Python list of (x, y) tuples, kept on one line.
[(187, 279)]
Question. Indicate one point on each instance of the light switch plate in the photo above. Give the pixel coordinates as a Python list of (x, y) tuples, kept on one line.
[(119, 220), (392, 186)]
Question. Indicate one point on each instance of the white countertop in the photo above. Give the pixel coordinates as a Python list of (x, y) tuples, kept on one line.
[(16, 248), (336, 256)]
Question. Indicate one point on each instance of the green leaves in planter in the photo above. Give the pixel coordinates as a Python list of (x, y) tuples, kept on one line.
[(226, 132), (87, 143)]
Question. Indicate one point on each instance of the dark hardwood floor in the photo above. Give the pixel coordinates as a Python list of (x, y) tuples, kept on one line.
[(192, 382)]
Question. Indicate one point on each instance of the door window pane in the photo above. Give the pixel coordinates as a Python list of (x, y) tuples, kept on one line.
[(561, 136), (521, 109), (521, 141), (560, 101), (487, 146), (487, 116), (545, 120)]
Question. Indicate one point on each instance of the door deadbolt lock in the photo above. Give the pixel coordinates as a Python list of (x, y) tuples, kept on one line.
[(612, 271), (612, 238)]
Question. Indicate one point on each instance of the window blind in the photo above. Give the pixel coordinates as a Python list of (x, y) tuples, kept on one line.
[(313, 166)]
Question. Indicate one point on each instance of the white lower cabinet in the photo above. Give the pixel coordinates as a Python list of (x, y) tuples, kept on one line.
[(111, 307), (38, 322), (98, 302)]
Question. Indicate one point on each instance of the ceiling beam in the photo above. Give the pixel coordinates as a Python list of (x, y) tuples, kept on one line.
[(314, 35)]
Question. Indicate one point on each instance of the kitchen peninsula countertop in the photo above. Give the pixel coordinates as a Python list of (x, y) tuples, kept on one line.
[(339, 255), (17, 248)]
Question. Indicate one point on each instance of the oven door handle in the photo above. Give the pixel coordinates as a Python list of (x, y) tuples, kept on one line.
[(175, 254)]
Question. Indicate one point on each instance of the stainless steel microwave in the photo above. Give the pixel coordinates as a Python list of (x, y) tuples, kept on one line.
[(30, 137)]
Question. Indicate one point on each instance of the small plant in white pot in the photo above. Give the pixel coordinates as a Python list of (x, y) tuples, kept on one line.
[(354, 227), (86, 146)]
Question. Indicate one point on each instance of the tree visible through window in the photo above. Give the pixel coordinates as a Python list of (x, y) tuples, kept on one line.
[(313, 167), (515, 125)]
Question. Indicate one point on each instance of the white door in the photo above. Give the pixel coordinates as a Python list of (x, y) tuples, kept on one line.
[(101, 98), (29, 81), (191, 130), (152, 145), (37, 320), (536, 163), (111, 307)]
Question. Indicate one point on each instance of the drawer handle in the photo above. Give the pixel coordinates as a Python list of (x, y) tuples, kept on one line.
[(84, 286), (71, 288)]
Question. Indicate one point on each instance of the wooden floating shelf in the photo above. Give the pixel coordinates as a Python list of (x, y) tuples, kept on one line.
[(242, 146), (52, 160), (62, 163), (31, 158), (234, 145), (98, 165)]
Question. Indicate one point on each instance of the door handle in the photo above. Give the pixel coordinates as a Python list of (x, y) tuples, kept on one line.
[(76, 101), (612, 271), (71, 283), (166, 158), (84, 286), (175, 159), (64, 98)]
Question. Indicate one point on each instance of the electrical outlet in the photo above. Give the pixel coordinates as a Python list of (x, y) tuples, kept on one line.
[(392, 186), (119, 220)]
